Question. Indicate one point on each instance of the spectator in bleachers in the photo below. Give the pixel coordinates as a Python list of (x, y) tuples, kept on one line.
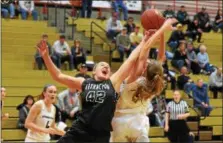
[(200, 96), (204, 20), (78, 53), (194, 30), (219, 21), (182, 16), (130, 25), (192, 58), (175, 38), (86, 5), (69, 104), (7, 7), (215, 82), (203, 60), (177, 111), (168, 76), (3, 95), (180, 57), (183, 78), (116, 4), (123, 44), (62, 52), (135, 38), (157, 115), (24, 110), (169, 13), (39, 59), (27, 8), (114, 26), (83, 72)]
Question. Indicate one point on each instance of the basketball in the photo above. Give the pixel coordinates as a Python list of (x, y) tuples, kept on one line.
[(152, 19)]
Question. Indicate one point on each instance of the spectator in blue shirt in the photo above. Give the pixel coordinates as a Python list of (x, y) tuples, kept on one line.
[(8, 7), (203, 60), (200, 96)]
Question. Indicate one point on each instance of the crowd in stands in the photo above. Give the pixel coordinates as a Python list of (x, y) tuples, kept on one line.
[(61, 52), (13, 8)]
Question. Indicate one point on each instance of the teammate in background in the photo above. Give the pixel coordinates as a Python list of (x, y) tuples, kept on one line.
[(98, 96), (41, 118), (130, 123)]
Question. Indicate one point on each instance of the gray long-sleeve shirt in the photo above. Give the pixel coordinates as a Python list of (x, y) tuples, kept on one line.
[(64, 101), (215, 80), (191, 56), (123, 40)]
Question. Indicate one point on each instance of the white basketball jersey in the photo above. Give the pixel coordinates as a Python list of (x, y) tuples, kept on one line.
[(127, 105), (43, 120)]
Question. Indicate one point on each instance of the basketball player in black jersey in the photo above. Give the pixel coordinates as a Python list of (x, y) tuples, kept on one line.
[(98, 95)]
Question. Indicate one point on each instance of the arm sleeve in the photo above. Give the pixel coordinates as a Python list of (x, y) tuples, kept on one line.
[(196, 97), (22, 118), (50, 49), (199, 58), (206, 93), (131, 38), (207, 58), (118, 40), (67, 46), (32, 6), (22, 5), (60, 101), (119, 25), (168, 108), (186, 107)]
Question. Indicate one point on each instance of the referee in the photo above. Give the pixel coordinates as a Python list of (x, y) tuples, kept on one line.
[(175, 122)]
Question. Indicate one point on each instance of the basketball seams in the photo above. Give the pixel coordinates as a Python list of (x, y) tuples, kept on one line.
[(151, 20)]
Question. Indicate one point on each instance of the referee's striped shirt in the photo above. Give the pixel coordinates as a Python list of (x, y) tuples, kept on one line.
[(175, 109)]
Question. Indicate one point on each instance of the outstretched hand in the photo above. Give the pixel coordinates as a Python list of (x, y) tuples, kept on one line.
[(168, 23), (42, 48)]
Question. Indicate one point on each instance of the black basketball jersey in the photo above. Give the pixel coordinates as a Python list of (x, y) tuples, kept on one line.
[(98, 104)]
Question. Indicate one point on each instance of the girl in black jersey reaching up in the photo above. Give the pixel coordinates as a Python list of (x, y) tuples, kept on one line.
[(98, 95)]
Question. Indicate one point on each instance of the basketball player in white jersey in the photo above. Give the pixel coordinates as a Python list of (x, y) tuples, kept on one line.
[(130, 123), (41, 118)]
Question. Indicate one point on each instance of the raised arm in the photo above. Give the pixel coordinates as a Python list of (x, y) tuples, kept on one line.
[(146, 47), (123, 72), (162, 49), (56, 74), (140, 53), (141, 62)]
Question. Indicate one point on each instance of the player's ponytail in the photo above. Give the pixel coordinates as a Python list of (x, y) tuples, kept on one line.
[(154, 82), (154, 76)]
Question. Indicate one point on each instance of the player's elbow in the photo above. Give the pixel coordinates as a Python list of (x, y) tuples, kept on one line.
[(27, 124), (58, 77)]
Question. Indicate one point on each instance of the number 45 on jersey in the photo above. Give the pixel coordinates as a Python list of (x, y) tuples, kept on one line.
[(95, 96)]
